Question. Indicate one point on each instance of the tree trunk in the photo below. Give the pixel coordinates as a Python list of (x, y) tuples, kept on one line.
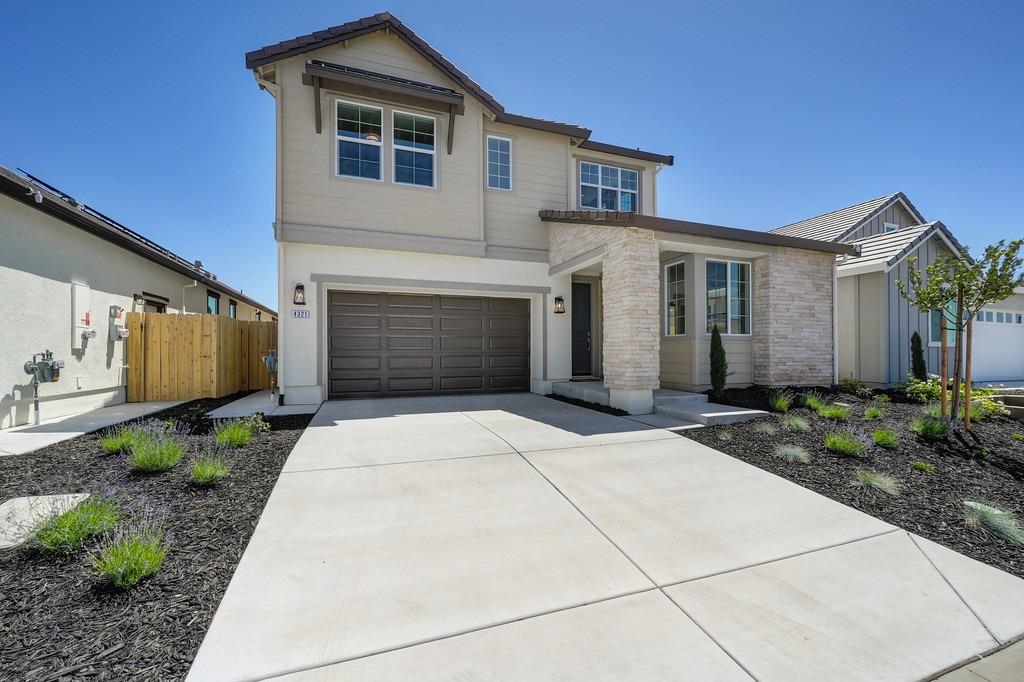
[(958, 346), (967, 375), (943, 365)]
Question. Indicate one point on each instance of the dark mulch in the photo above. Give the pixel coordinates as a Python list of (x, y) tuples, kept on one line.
[(597, 407), (56, 623), (930, 505)]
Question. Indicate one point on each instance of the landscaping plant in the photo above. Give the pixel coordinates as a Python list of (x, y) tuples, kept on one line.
[(209, 469), (814, 400), (918, 366), (882, 398), (993, 521), (66, 532), (843, 444), (792, 453), (719, 363), (121, 438), (237, 433), (872, 481), (855, 387), (930, 427), (156, 453), (922, 466), (885, 438), (767, 428), (795, 423), (130, 557), (780, 401), (873, 413), (837, 413)]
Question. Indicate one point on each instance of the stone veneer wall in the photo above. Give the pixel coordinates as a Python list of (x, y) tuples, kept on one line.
[(630, 286), (793, 318)]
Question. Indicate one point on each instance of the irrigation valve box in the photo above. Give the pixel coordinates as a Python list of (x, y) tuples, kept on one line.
[(117, 329), (44, 368)]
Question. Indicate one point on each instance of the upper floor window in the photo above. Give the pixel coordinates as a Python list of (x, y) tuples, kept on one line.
[(890, 227), (675, 299), (359, 140), (728, 296), (232, 309), (258, 315), (608, 188), (499, 162), (212, 302), (414, 149)]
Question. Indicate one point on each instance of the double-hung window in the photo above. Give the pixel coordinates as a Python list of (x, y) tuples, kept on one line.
[(414, 149), (934, 322), (675, 299), (359, 140), (728, 296), (608, 188), (499, 162)]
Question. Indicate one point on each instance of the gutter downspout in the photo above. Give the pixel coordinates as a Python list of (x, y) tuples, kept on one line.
[(195, 283), (835, 322)]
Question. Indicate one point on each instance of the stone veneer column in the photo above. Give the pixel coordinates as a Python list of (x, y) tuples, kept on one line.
[(630, 289), (793, 315)]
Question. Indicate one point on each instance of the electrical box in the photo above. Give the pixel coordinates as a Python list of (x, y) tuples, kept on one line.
[(81, 316), (117, 330)]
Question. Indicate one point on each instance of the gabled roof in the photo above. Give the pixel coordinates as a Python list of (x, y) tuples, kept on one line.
[(838, 225), (52, 201), (389, 22), (882, 252)]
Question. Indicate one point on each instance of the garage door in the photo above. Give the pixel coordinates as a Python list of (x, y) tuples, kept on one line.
[(412, 344), (998, 352)]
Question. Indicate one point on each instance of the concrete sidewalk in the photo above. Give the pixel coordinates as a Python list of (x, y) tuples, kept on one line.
[(22, 439), (260, 401), (438, 538)]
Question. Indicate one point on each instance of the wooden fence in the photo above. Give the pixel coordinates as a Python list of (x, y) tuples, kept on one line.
[(183, 357)]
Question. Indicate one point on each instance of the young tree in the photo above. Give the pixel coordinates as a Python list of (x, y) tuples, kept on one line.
[(719, 364), (918, 366)]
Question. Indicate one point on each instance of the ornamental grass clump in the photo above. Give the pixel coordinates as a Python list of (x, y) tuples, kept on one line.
[(814, 400), (873, 413), (121, 438), (884, 438), (795, 423), (132, 556), (767, 428), (238, 432), (68, 531), (839, 413), (209, 469), (156, 453), (923, 467), (792, 454), (780, 401), (843, 444), (993, 521), (872, 482), (930, 428)]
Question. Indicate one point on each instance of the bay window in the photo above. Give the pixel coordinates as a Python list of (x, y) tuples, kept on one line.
[(359, 140), (413, 143), (728, 296), (675, 299), (608, 188)]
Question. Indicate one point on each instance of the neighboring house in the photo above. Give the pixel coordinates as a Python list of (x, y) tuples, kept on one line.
[(65, 269), (875, 323), (435, 240)]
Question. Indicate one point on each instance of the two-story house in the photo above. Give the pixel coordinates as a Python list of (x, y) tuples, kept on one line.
[(429, 241)]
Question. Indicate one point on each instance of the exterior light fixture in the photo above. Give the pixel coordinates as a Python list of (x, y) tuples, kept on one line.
[(300, 294), (559, 305)]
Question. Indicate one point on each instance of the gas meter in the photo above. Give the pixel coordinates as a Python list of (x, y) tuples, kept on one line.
[(43, 368)]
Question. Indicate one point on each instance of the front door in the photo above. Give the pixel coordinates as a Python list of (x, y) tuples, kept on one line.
[(581, 329)]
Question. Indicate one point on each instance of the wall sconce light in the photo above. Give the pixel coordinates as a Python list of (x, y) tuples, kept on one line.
[(559, 305), (300, 294)]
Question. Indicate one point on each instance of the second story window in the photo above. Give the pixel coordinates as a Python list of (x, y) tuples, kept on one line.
[(499, 162), (359, 140), (608, 188), (414, 149), (212, 302), (232, 309)]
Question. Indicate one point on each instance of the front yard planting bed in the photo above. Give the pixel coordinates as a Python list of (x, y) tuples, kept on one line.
[(934, 478), (58, 621)]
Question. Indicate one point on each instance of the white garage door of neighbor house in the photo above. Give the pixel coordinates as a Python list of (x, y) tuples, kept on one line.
[(998, 346)]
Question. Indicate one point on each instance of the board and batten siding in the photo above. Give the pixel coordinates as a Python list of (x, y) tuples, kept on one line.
[(894, 214), (863, 328), (905, 319)]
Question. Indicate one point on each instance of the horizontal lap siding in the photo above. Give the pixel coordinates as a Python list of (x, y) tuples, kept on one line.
[(676, 362)]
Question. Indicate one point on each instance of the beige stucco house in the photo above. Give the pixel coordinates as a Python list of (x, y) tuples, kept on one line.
[(430, 241), (65, 268)]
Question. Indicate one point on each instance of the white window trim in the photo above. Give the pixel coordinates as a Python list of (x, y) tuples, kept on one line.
[(664, 302), (890, 227), (728, 289), (338, 137), (396, 147), (599, 186), (487, 161)]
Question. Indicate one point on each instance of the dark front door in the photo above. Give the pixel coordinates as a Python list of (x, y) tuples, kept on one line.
[(581, 329)]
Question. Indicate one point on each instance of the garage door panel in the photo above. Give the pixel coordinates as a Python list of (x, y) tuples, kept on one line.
[(412, 344)]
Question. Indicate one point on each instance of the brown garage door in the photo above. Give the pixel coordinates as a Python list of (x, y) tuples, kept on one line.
[(414, 344)]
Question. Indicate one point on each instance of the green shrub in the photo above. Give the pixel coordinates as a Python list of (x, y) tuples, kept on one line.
[(719, 363), (843, 444), (1017, 436), (855, 387), (208, 470), (155, 453), (918, 367), (872, 481), (929, 391), (795, 423), (792, 453), (930, 428), (814, 400), (922, 466), (885, 438), (121, 438), (933, 411), (837, 413), (238, 432), (766, 428), (993, 521), (780, 401), (873, 413), (882, 398), (66, 532), (131, 557)]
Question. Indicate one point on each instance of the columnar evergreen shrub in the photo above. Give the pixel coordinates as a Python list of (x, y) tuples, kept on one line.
[(719, 364), (918, 366)]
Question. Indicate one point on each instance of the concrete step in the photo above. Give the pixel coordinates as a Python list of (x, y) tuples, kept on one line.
[(679, 399), (709, 414)]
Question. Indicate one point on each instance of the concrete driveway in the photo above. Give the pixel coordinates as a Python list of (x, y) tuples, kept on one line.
[(515, 537)]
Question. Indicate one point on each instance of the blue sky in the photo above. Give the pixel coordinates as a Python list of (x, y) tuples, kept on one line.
[(775, 110)]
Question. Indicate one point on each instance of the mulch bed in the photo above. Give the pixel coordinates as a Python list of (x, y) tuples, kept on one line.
[(57, 623), (930, 505)]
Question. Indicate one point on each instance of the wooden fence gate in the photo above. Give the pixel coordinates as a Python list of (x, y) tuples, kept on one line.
[(183, 357)]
